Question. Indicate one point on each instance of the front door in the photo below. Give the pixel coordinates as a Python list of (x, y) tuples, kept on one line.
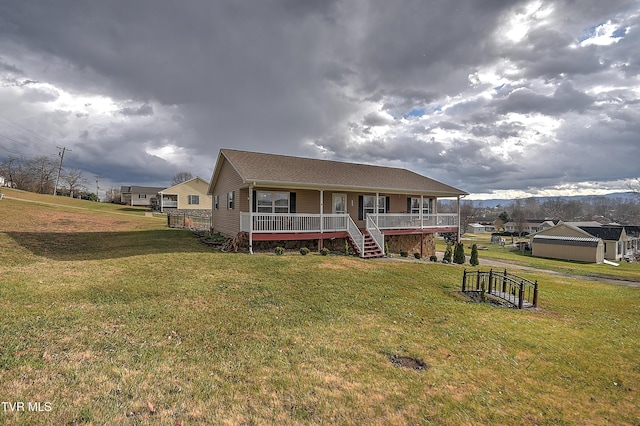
[(339, 204)]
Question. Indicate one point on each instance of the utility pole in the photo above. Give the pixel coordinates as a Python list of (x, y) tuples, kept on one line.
[(98, 188), (61, 154)]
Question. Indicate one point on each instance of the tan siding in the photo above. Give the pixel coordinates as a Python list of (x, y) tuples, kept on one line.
[(308, 201), (227, 221), (194, 187), (565, 252)]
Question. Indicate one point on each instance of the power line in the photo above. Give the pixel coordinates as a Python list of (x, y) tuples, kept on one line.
[(14, 124)]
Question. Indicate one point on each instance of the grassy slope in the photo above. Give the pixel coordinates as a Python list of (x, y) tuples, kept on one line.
[(113, 318)]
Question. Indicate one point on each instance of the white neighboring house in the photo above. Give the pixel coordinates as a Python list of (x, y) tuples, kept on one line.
[(530, 227), (478, 228), (138, 195)]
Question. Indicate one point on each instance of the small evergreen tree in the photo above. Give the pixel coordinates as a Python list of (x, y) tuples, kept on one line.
[(448, 253), (474, 255), (458, 254)]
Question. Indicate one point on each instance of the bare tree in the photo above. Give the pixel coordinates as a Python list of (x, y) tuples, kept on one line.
[(42, 171), (181, 177), (75, 181), (112, 195), (467, 212)]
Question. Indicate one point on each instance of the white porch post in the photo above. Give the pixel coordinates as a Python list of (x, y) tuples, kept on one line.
[(459, 234), (251, 219), (161, 199), (377, 208), (421, 212), (321, 211)]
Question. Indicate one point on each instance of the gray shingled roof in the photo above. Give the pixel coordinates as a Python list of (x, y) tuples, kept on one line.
[(566, 241), (125, 189), (265, 169)]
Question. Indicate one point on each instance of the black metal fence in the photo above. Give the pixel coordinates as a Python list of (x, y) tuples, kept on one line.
[(519, 292)]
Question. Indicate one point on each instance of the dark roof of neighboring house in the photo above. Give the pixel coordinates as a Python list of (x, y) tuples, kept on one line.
[(126, 189), (632, 230), (282, 170), (609, 233)]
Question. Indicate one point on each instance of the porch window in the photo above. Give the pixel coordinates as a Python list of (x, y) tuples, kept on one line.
[(369, 204), (193, 199), (272, 202), (427, 205), (414, 205)]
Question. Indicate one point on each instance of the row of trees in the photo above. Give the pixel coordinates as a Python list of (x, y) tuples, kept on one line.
[(39, 175), (621, 210)]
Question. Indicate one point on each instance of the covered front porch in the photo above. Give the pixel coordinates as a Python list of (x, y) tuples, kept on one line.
[(367, 241)]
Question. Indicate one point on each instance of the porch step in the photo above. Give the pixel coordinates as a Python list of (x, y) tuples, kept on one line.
[(371, 249)]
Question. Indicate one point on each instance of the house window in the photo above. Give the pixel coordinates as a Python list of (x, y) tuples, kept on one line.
[(272, 202), (216, 202), (369, 204), (142, 195), (194, 199), (427, 205), (415, 206), (231, 200)]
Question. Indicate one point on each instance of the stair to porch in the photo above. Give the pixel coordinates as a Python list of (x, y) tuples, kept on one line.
[(371, 249)]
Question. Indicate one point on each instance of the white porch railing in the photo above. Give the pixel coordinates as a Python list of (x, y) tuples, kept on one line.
[(309, 222), (293, 222), (414, 221), (375, 233), (356, 236)]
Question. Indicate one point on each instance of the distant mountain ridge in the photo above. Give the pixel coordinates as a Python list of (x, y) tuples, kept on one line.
[(491, 203)]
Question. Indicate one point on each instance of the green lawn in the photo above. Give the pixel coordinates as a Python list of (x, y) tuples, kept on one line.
[(112, 318)]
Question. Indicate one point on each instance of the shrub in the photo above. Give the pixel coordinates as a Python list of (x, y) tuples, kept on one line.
[(458, 254), (279, 251), (448, 254), (433, 258), (404, 253), (346, 247), (417, 255), (386, 249), (325, 251), (474, 255), (304, 251)]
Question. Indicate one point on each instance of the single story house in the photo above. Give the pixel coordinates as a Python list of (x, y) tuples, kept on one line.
[(567, 242), (186, 197), (531, 226), (617, 244), (479, 228), (139, 195), (268, 197)]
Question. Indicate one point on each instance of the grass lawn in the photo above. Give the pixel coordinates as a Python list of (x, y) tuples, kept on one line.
[(108, 317)]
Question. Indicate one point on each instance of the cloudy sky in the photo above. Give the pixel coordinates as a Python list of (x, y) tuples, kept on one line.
[(496, 97)]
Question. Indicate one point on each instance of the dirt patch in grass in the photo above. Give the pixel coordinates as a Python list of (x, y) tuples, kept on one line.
[(408, 362), (344, 263)]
